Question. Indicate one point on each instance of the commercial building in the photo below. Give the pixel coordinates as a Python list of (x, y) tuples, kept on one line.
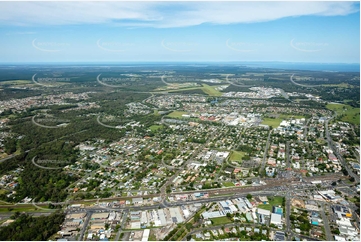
[(276, 219)]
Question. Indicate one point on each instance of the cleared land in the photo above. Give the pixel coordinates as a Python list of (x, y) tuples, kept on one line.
[(274, 201), (273, 122), (155, 127), (221, 220), (236, 156), (350, 114), (176, 114), (210, 90), (228, 184)]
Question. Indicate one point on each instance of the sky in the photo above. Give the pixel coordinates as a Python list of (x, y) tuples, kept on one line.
[(319, 32)]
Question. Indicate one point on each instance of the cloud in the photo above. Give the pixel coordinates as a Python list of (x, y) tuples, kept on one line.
[(163, 14)]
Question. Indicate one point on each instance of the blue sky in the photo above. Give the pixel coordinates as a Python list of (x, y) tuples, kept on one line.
[(324, 32)]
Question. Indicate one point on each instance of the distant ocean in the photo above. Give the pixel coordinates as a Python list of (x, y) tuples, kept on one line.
[(331, 67), (307, 66)]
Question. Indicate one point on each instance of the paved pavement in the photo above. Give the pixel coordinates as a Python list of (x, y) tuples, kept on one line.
[(85, 225), (265, 153), (338, 155), (328, 233), (124, 220)]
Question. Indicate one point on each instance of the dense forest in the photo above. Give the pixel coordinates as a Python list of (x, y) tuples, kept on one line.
[(28, 228)]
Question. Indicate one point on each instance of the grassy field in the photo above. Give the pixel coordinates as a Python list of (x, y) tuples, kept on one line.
[(352, 115), (176, 114), (236, 156), (20, 208), (274, 122), (228, 184), (155, 127), (16, 82), (210, 90), (274, 202), (221, 220)]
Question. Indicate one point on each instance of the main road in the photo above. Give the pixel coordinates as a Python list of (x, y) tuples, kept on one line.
[(328, 233), (265, 153), (338, 155)]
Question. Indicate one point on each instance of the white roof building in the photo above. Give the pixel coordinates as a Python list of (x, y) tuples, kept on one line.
[(263, 212), (276, 219), (339, 238), (214, 214)]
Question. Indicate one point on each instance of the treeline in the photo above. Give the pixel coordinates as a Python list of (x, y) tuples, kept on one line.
[(28, 228)]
